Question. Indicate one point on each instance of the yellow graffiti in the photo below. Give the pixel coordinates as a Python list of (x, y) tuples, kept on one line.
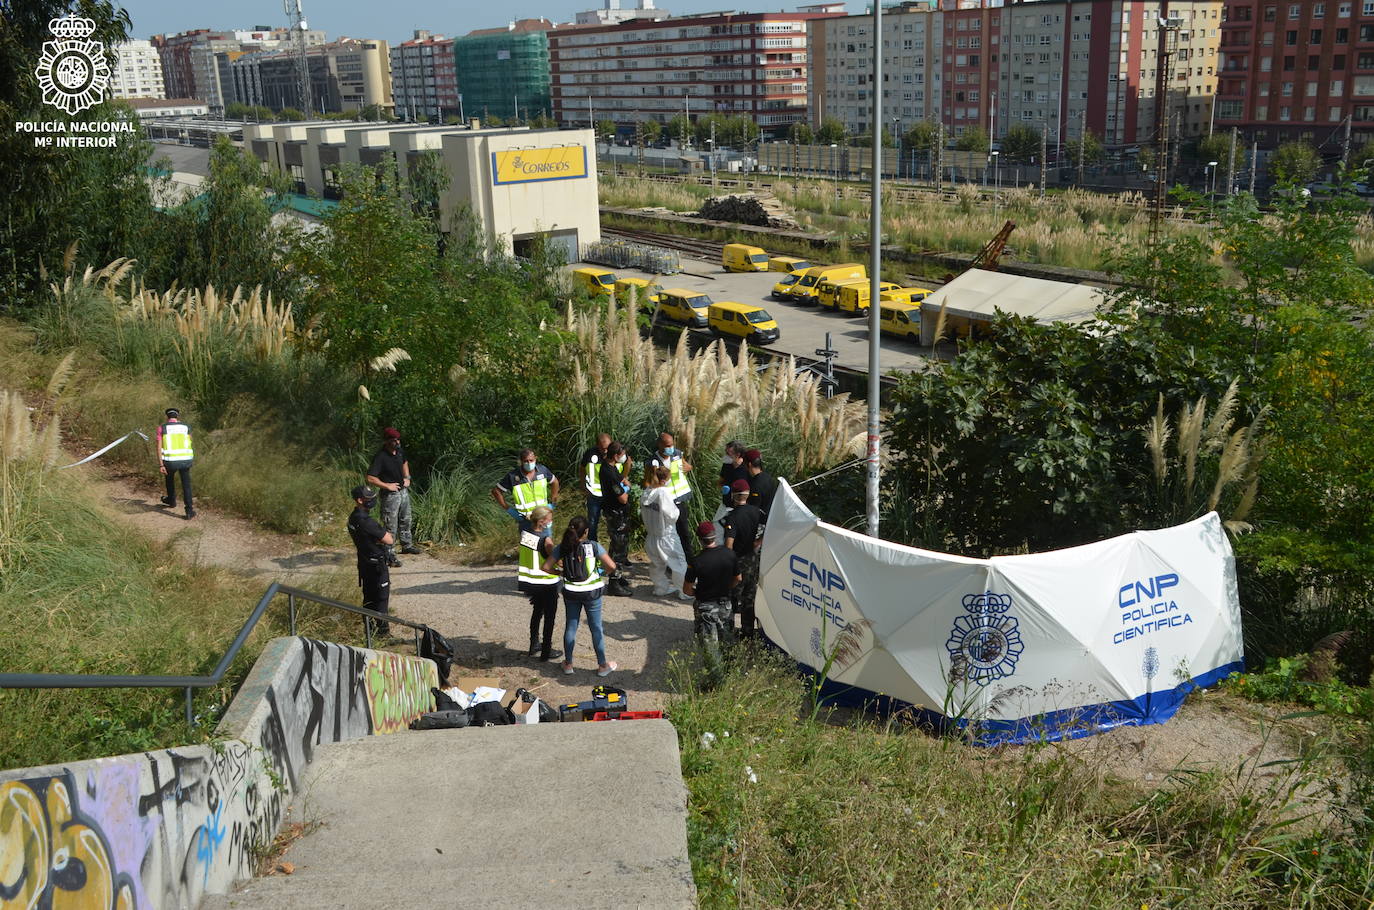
[(398, 690), (50, 852)]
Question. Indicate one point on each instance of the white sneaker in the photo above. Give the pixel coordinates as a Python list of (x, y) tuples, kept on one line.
[(663, 592), (567, 669), (610, 668)]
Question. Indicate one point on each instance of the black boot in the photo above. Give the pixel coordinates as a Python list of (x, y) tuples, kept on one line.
[(617, 586), (534, 646)]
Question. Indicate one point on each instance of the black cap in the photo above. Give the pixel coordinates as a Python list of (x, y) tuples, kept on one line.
[(173, 412), (362, 491)]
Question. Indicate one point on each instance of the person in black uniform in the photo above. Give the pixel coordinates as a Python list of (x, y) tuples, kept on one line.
[(762, 485), (372, 540), (390, 473), (711, 575), (615, 498), (744, 535)]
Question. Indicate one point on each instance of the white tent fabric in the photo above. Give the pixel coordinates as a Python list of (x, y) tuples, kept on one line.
[(979, 295), (1044, 646)]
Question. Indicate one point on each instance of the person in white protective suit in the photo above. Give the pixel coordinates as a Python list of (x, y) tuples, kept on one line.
[(667, 563)]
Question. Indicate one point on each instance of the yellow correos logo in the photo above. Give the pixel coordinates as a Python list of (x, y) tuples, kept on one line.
[(564, 162)]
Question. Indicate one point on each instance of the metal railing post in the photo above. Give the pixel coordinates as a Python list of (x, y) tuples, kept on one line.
[(291, 609), (367, 631), (190, 711)]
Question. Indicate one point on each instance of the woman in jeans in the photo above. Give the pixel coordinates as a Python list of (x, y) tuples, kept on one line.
[(541, 587), (578, 559)]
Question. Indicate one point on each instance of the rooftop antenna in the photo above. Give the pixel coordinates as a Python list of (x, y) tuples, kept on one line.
[(298, 29)]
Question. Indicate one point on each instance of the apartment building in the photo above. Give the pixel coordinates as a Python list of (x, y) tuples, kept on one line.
[(192, 64), (504, 72), (1057, 65), (345, 75), (137, 72), (424, 77), (1295, 71), (754, 65)]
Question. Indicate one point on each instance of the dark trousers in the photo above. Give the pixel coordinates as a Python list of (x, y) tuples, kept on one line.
[(743, 594), (375, 580), (686, 531), (543, 611), (618, 529), (593, 516), (173, 469)]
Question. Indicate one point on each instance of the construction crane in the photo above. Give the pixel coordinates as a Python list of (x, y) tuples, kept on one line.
[(298, 29)]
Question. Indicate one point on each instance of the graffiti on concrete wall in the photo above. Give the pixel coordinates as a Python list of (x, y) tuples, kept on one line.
[(398, 690), (162, 829)]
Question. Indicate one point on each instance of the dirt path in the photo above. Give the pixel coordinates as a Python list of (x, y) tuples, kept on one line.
[(477, 608), (480, 611)]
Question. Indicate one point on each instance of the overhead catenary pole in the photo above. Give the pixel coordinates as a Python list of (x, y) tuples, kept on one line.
[(1044, 155), (875, 231), (1254, 160), (1231, 164)]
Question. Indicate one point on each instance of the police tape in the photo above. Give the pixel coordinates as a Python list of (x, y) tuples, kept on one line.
[(95, 455)]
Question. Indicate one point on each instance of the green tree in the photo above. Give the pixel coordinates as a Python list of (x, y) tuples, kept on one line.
[(1091, 147), (605, 129), (1216, 147), (680, 128), (801, 133), (832, 132), (1021, 144), (236, 110), (289, 114), (650, 130), (921, 136), (1294, 163), (975, 139), (374, 112)]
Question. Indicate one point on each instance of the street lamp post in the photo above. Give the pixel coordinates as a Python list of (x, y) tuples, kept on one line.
[(897, 132), (996, 178), (1211, 178)]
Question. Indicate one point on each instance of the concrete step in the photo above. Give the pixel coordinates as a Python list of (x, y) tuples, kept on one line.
[(547, 815)]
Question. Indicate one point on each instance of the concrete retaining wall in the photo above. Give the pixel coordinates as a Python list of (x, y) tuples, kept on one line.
[(161, 829)]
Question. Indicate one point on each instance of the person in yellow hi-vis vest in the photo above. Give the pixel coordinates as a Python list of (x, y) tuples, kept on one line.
[(174, 457), (529, 486)]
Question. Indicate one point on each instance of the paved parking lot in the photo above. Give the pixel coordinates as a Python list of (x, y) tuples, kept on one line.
[(803, 327)]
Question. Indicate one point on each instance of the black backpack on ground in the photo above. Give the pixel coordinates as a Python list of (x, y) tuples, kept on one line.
[(441, 720), (437, 648), (490, 714)]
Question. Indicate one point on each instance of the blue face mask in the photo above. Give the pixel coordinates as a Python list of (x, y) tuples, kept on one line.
[(529, 466), (670, 451)]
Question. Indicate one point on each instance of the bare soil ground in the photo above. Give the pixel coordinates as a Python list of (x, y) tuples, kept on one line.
[(478, 608)]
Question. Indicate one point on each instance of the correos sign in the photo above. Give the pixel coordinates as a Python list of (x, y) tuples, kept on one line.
[(564, 162)]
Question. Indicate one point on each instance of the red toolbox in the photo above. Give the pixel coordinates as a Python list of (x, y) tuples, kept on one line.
[(627, 715)]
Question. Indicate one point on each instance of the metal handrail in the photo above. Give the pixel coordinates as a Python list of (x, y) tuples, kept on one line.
[(191, 683)]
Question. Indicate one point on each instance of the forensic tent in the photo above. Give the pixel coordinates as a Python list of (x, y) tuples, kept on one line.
[(975, 297), (1013, 648)]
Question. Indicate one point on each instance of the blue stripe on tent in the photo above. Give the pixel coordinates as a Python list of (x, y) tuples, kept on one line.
[(1068, 723)]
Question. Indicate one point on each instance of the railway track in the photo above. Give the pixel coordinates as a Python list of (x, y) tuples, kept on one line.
[(701, 249)]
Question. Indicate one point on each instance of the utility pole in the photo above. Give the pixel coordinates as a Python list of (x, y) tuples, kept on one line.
[(1231, 164), (1044, 164), (875, 246), (1166, 26), (1254, 160), (712, 159), (936, 150), (1082, 143), (1345, 145)]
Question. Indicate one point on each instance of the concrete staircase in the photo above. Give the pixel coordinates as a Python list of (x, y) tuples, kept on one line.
[(550, 815)]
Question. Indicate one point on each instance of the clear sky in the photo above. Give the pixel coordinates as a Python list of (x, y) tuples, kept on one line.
[(396, 21)]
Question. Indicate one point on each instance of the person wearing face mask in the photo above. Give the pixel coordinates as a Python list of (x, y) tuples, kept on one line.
[(667, 565), (529, 486), (732, 468), (615, 499), (390, 473), (536, 545), (591, 480), (372, 541), (670, 457)]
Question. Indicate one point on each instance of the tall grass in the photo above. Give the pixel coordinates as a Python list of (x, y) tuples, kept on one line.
[(455, 509), (79, 594), (786, 812)]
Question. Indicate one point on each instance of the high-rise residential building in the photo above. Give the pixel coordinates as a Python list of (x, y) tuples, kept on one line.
[(754, 65), (504, 72), (1056, 65), (612, 11), (138, 71), (424, 80), (193, 65), (1298, 71), (345, 75)]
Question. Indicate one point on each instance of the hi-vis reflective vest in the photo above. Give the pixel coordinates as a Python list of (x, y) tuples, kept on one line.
[(591, 476), (176, 442), (531, 561), (594, 580), (530, 495), (678, 484)]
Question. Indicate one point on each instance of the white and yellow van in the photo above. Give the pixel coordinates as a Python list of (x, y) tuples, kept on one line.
[(741, 257), (681, 305), (743, 321), (593, 280), (902, 320), (853, 296)]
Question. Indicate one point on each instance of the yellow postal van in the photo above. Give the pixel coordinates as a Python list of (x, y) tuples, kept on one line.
[(853, 296), (593, 280), (644, 288), (685, 306), (804, 291), (743, 321), (741, 257), (900, 319), (905, 295), (787, 264), (828, 292)]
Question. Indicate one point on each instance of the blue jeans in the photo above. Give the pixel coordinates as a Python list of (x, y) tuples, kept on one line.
[(593, 516), (573, 614)]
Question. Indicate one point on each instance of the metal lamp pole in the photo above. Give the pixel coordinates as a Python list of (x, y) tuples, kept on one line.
[(875, 245), (1211, 177)]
